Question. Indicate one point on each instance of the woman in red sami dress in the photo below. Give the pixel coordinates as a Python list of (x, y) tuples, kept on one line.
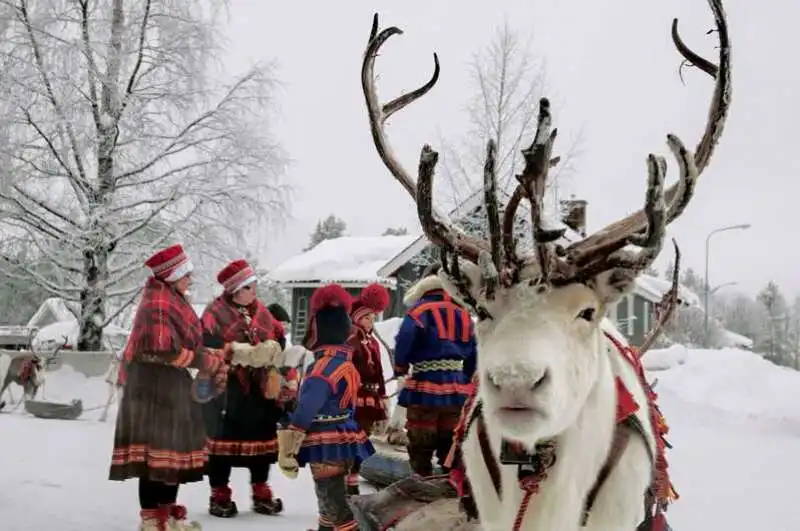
[(160, 437)]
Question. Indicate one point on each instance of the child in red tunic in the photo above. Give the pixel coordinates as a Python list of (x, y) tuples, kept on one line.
[(371, 400)]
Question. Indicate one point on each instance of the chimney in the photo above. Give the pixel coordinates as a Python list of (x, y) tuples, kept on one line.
[(573, 214)]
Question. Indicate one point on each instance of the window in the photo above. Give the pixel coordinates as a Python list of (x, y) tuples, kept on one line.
[(625, 316)]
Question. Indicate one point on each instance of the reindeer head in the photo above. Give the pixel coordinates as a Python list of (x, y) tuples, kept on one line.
[(539, 332)]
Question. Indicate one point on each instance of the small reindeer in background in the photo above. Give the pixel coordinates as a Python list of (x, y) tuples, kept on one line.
[(27, 372)]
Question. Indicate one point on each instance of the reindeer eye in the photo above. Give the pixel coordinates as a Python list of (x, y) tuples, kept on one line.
[(587, 314)]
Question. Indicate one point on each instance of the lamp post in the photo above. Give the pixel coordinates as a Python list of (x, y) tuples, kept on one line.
[(706, 287), (717, 288)]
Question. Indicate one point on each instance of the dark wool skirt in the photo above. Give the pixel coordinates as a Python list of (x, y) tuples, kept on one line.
[(160, 433), (242, 425)]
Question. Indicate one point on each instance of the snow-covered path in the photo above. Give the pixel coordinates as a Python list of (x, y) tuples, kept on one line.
[(53, 477), (733, 473), (735, 427)]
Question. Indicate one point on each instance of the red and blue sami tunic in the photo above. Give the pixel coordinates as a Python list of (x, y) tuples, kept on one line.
[(325, 410), (437, 339)]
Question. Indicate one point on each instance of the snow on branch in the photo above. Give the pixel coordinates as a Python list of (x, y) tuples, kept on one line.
[(117, 138)]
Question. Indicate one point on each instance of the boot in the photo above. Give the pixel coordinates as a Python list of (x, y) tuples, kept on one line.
[(324, 525), (220, 503), (177, 519), (154, 520), (263, 500), (352, 484)]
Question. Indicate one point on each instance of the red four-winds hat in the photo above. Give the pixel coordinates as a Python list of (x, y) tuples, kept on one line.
[(372, 299), (170, 264), (236, 276)]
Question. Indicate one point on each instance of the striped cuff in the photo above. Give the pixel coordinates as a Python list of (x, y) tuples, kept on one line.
[(184, 358)]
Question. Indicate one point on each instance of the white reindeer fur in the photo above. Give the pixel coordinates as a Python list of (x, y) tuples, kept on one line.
[(534, 330)]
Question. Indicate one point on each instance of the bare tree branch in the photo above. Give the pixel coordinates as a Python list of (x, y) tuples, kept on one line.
[(117, 138)]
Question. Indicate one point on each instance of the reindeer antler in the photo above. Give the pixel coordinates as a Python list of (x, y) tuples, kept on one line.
[(669, 302), (583, 260), (440, 231), (645, 228)]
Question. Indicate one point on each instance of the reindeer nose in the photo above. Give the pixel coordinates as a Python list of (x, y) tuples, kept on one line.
[(517, 379)]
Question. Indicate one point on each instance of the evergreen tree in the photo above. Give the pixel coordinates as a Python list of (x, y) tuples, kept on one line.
[(773, 339), (329, 228)]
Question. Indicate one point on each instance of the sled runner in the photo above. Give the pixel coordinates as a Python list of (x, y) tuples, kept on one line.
[(388, 465), (54, 410)]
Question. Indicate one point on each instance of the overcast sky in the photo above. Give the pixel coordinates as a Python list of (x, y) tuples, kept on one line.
[(613, 77)]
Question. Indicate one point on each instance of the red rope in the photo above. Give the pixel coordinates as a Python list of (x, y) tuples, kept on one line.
[(530, 487)]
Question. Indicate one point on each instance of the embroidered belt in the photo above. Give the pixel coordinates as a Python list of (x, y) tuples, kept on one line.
[(373, 387), (330, 418), (439, 365), (155, 359)]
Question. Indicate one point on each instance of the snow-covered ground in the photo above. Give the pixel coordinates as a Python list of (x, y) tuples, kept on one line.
[(735, 422)]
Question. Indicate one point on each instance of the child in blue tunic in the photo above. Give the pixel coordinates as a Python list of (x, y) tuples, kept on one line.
[(436, 341), (322, 431)]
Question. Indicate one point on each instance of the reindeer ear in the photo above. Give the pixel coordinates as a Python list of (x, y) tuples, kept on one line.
[(472, 273), (611, 285)]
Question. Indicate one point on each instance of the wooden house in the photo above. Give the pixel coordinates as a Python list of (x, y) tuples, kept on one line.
[(398, 261)]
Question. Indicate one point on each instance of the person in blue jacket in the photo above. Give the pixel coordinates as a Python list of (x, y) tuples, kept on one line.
[(437, 340), (322, 431)]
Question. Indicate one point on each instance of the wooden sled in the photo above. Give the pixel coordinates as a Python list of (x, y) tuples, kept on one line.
[(54, 410), (388, 465), (412, 503)]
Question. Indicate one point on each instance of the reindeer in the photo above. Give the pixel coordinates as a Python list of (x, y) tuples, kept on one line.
[(26, 371), (544, 449)]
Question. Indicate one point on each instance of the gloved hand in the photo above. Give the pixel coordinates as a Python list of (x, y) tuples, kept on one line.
[(289, 443), (270, 353), (244, 354)]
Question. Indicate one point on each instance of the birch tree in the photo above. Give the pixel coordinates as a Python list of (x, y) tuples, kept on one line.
[(508, 80), (116, 138)]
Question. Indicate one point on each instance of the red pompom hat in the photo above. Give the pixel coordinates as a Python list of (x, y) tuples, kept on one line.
[(329, 316), (372, 299), (170, 264), (236, 275)]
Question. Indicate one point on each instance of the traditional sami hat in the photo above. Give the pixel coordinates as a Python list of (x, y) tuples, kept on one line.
[(236, 275), (170, 264), (329, 316), (372, 299)]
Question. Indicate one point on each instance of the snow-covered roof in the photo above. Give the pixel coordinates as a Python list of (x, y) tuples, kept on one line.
[(459, 213), (52, 310), (734, 340), (653, 289), (349, 260)]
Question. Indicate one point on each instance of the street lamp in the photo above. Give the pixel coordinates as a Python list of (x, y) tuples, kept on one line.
[(717, 288), (706, 287)]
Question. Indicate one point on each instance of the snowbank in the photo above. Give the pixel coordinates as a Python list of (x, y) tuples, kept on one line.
[(731, 380), (663, 359), (52, 336)]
